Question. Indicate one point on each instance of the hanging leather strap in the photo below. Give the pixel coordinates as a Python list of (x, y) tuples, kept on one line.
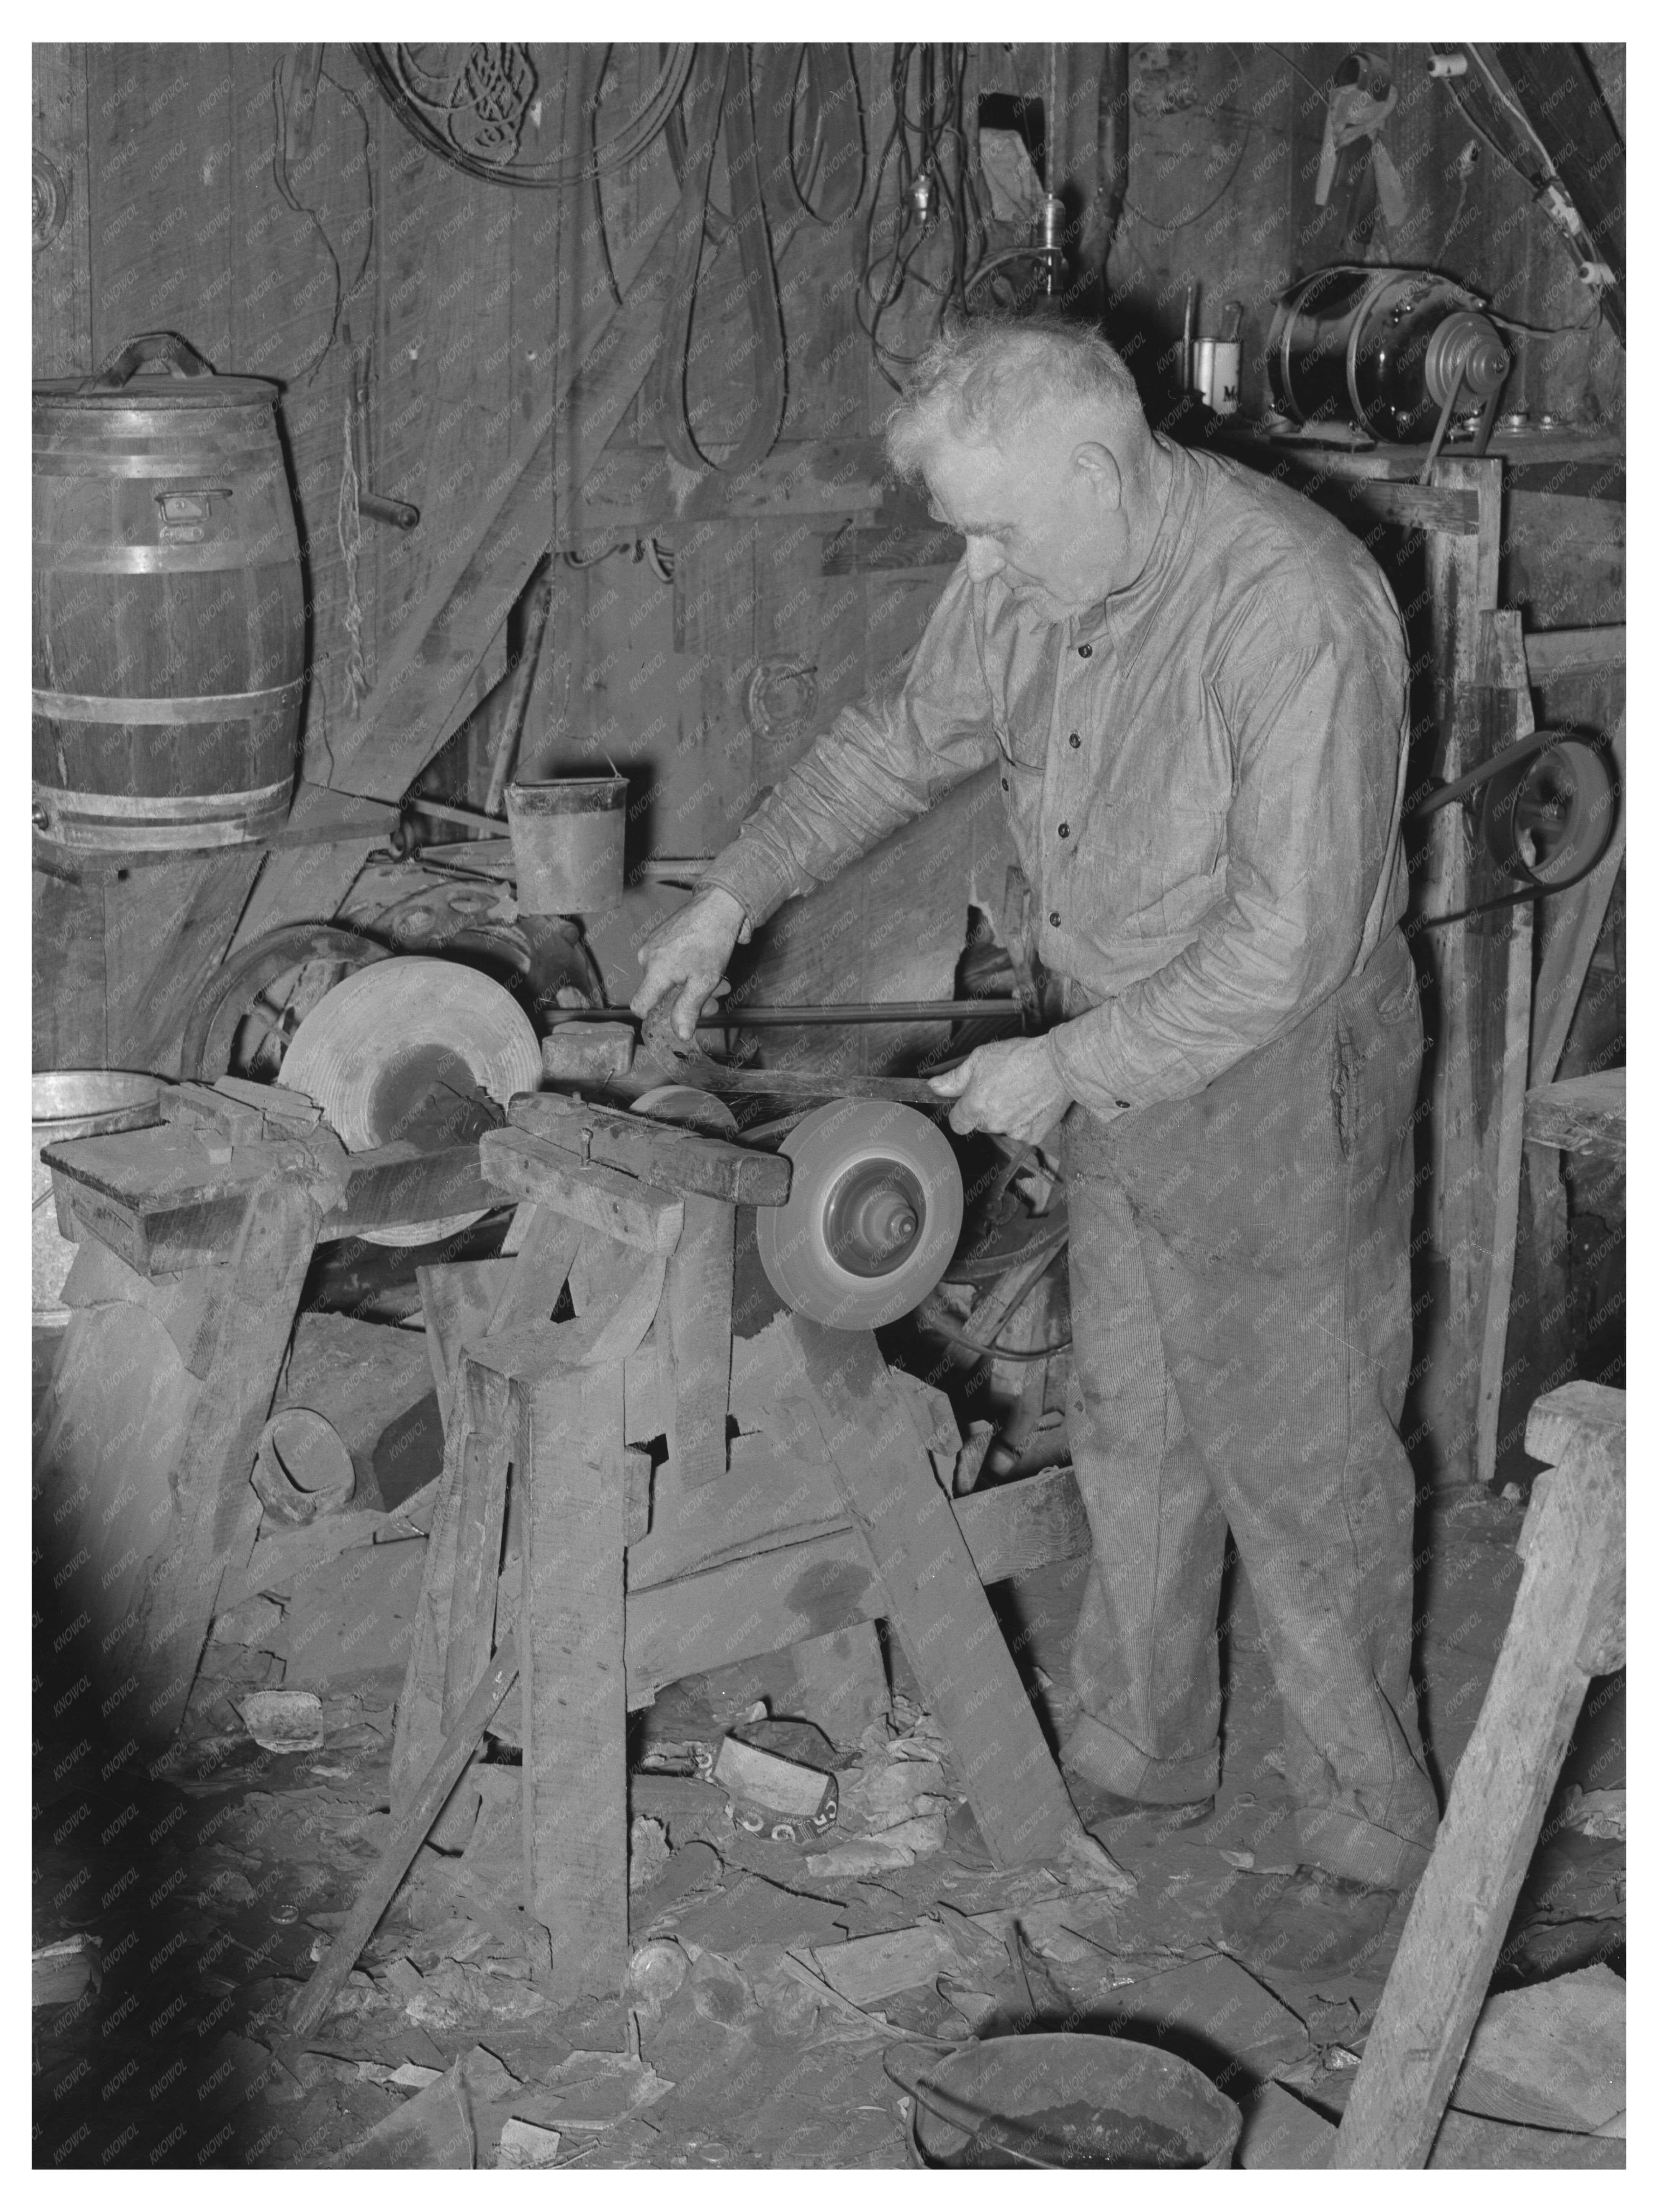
[(722, 92), (822, 84)]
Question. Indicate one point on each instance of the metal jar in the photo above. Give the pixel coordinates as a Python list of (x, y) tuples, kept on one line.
[(169, 610)]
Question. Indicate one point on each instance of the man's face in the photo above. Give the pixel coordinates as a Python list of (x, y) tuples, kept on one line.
[(1041, 515)]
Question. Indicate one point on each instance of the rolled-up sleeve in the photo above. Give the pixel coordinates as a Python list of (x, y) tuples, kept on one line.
[(880, 764), (1317, 724)]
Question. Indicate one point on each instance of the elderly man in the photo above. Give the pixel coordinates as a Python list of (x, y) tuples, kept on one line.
[(1191, 685)]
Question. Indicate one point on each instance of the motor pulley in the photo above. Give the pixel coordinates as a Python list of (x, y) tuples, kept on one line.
[(873, 1214)]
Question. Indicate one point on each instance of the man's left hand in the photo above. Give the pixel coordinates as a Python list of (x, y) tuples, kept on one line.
[(1012, 1090)]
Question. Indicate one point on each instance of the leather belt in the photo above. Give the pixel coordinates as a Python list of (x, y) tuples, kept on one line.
[(760, 165)]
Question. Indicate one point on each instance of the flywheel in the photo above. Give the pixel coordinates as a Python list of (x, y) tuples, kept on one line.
[(873, 1214)]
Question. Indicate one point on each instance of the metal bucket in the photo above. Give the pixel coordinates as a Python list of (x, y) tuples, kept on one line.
[(1134, 2104), (74, 1102), (568, 838)]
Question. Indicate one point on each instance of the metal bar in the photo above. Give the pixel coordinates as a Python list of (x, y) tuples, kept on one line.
[(855, 1011)]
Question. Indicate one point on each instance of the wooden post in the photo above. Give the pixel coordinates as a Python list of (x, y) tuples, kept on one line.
[(575, 1704), (1567, 1625), (1502, 1145), (698, 1305), (934, 1598), (1462, 581)]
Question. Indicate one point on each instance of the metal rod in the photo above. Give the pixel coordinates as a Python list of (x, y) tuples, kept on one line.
[(858, 1010)]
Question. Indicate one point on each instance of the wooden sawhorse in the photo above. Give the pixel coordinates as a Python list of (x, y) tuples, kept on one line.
[(826, 1510), (195, 1239)]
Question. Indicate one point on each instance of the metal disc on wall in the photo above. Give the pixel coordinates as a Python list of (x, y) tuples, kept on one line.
[(872, 1216), (385, 1052)]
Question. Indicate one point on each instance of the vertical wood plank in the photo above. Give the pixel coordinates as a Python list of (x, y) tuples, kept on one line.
[(570, 1635), (419, 1728), (479, 1514), (698, 1301), (61, 292), (1462, 580)]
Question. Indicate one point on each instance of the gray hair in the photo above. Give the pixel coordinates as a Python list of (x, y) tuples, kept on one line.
[(982, 382)]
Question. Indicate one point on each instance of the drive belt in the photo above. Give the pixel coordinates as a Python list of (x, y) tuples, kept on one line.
[(721, 97)]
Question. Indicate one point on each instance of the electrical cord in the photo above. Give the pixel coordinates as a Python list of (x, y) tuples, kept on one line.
[(925, 146), (280, 76)]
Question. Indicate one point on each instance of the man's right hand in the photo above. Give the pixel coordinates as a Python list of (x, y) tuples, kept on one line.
[(688, 952)]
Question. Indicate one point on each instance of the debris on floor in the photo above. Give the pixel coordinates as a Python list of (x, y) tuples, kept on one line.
[(771, 1986)]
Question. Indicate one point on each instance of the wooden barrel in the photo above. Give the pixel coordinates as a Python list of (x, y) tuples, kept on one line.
[(169, 611)]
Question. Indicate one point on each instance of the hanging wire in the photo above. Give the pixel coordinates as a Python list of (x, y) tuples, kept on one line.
[(290, 198), (927, 150)]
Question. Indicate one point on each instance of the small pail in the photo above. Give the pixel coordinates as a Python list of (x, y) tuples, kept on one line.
[(1092, 2100), (74, 1102), (567, 842)]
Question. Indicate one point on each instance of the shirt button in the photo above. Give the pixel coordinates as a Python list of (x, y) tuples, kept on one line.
[(1124, 1104), (1053, 918), (1003, 783), (1075, 741), (1065, 829), (1086, 652)]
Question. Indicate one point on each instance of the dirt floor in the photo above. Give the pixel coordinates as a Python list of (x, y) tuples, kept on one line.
[(211, 1888)]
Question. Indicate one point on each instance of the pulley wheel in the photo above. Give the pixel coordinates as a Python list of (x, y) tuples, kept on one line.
[(872, 1216), (383, 1044)]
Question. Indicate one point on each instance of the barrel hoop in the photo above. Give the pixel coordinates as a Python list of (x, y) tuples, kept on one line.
[(164, 463), (120, 821), (211, 706), (155, 559)]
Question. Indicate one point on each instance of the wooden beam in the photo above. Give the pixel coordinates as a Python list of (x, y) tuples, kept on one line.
[(1563, 1627), (697, 1304), (1462, 582), (520, 1166), (818, 1581), (672, 1159), (1503, 1145), (633, 488)]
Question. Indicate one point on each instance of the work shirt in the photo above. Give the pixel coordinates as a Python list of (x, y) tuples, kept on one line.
[(1203, 773)]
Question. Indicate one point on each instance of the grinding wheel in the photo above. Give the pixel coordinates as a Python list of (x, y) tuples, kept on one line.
[(374, 1049), (872, 1216)]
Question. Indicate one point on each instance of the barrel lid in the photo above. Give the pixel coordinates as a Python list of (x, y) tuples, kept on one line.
[(167, 394)]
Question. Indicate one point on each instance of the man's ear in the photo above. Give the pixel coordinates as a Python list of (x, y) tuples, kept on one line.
[(1098, 464)]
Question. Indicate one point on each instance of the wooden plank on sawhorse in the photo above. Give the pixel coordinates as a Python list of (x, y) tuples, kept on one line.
[(521, 1166), (934, 1598), (1567, 1625)]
